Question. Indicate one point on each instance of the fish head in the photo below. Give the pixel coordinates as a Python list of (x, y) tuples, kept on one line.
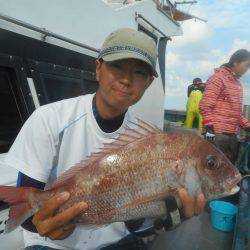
[(217, 176)]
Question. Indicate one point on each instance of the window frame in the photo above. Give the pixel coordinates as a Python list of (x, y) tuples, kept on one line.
[(19, 80), (37, 68)]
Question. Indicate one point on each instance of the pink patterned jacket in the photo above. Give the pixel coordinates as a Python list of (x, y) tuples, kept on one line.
[(221, 105)]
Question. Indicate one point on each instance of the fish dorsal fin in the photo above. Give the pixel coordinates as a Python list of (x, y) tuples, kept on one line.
[(71, 172), (129, 135), (141, 130)]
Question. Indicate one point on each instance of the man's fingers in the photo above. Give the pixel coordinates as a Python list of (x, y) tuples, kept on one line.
[(61, 219), (191, 208), (49, 207), (66, 233), (200, 204), (55, 235), (188, 204), (62, 232)]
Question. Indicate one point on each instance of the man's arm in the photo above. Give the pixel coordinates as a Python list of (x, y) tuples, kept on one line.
[(44, 222), (57, 226), (25, 181)]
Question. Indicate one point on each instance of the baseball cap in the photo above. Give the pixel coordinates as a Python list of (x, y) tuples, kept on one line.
[(127, 43), (197, 80)]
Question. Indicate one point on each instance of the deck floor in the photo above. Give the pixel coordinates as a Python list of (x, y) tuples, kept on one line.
[(196, 233)]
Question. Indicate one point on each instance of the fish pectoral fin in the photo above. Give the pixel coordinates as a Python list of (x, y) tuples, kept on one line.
[(153, 198), (146, 210)]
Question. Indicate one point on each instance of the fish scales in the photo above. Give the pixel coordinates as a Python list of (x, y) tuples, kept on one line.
[(131, 177), (126, 184)]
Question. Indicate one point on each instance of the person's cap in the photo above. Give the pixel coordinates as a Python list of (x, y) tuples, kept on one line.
[(197, 80), (128, 43)]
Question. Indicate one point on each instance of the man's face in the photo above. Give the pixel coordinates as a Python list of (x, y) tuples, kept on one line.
[(122, 83), (197, 83)]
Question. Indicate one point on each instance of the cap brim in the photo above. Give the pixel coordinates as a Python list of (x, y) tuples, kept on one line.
[(129, 55)]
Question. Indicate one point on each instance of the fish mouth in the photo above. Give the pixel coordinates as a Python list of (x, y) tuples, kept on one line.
[(235, 189), (228, 189)]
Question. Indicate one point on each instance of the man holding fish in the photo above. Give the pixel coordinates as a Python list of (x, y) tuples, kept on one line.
[(130, 179)]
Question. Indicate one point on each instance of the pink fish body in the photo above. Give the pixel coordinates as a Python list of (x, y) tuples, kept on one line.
[(131, 177)]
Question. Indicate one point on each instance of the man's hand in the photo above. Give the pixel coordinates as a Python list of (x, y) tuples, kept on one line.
[(191, 208), (57, 227), (177, 214)]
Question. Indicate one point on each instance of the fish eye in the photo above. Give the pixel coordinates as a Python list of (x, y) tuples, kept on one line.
[(211, 162)]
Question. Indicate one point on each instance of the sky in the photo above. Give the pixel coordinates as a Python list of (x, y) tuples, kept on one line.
[(205, 46)]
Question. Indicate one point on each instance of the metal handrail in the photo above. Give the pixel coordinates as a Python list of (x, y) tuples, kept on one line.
[(137, 15), (45, 32)]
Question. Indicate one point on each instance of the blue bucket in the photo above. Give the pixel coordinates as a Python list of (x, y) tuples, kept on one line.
[(223, 215)]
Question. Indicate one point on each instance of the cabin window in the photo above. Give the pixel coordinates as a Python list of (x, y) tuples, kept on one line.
[(11, 116), (56, 82), (59, 87), (51, 83)]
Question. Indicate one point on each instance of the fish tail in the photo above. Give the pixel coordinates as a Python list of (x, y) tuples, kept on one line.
[(21, 208)]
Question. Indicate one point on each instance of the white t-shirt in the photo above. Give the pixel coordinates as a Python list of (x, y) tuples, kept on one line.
[(54, 138)]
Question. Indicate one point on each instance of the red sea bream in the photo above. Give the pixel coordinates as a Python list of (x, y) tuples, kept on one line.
[(130, 177)]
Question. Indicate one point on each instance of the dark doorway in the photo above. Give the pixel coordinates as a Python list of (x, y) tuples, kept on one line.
[(11, 118)]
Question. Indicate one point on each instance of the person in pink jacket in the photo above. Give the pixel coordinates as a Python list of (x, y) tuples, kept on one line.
[(221, 105)]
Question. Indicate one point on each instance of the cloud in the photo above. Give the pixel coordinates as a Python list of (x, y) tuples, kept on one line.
[(185, 62), (225, 14), (194, 32), (239, 44), (205, 46), (182, 66)]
